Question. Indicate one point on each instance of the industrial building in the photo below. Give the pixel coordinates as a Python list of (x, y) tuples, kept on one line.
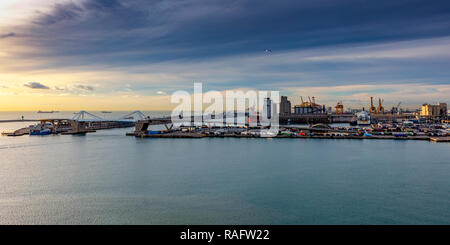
[(309, 107), (434, 111)]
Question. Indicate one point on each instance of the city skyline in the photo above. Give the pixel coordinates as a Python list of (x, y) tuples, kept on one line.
[(126, 55)]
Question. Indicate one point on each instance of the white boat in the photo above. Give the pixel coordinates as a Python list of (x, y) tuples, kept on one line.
[(363, 118), (408, 123), (267, 134)]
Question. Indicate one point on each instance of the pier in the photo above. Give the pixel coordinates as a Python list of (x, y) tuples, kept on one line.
[(427, 132), (318, 127), (336, 118), (328, 135)]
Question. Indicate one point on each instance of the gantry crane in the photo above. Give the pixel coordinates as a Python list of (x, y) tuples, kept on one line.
[(373, 109), (339, 108), (380, 106)]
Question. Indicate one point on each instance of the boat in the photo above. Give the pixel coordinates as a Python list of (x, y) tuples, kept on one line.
[(363, 118), (400, 134), (47, 111), (408, 123), (40, 131), (267, 134), (150, 132), (106, 111)]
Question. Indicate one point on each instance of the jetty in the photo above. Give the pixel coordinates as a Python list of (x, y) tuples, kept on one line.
[(315, 131), (440, 139)]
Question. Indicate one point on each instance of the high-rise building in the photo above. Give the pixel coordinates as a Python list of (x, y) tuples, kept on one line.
[(285, 106), (267, 108)]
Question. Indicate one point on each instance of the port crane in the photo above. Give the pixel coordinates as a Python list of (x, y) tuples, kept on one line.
[(339, 108), (373, 109), (380, 106)]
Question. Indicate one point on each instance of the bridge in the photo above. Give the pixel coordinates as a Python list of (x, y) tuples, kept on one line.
[(84, 122)]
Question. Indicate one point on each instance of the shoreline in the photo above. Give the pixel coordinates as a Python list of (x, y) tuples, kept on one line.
[(376, 137)]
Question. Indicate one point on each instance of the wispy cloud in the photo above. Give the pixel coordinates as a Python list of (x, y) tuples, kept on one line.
[(6, 35), (36, 85), (84, 87), (141, 31)]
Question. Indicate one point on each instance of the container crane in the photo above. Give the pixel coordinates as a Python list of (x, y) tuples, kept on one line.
[(339, 108), (380, 106), (372, 109)]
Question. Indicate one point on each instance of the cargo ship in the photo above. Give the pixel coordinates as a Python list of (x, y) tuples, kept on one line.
[(47, 111)]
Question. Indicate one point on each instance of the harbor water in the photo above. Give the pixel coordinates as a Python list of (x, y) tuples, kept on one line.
[(108, 178)]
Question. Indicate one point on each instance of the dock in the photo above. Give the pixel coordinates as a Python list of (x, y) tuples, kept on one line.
[(18, 132), (199, 135), (334, 118), (440, 139), (316, 131)]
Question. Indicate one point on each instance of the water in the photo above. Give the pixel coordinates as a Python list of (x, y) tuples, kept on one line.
[(108, 178)]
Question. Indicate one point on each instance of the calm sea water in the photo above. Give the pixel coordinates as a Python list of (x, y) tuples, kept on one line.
[(108, 178)]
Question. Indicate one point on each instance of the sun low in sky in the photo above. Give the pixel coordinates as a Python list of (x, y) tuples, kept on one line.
[(129, 55)]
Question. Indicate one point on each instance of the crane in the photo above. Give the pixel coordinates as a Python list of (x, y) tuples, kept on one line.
[(372, 109), (339, 108), (380, 106)]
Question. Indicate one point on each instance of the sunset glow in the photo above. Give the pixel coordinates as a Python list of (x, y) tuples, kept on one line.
[(127, 55)]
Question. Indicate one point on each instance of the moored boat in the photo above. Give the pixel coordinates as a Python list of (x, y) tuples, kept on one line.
[(363, 118), (40, 131)]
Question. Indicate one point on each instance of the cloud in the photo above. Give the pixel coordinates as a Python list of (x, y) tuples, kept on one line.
[(36, 85), (84, 87), (143, 32), (165, 46), (6, 35), (59, 88)]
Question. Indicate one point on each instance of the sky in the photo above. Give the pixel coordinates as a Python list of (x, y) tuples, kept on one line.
[(133, 54)]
